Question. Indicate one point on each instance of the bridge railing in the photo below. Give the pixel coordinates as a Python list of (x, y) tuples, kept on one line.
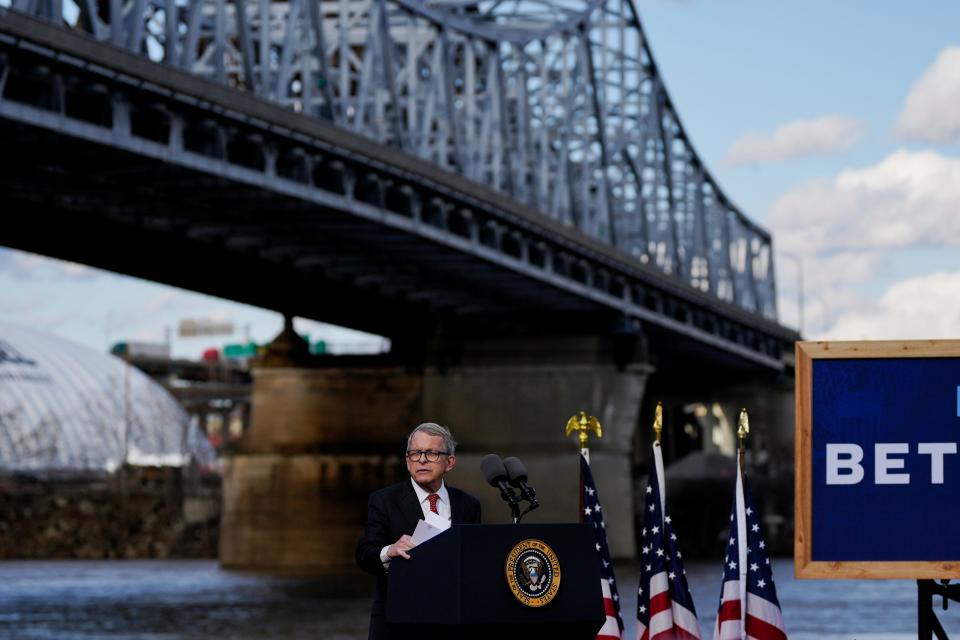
[(557, 103)]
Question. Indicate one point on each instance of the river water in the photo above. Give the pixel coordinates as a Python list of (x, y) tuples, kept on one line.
[(177, 600)]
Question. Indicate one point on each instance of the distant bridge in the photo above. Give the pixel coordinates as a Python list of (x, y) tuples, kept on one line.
[(492, 167)]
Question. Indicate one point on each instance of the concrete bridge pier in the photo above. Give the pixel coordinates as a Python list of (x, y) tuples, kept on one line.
[(701, 408), (514, 398), (322, 438)]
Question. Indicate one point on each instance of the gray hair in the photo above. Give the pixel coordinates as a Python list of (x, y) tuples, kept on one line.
[(434, 429)]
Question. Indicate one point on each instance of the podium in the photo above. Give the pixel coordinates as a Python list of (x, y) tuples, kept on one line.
[(456, 586)]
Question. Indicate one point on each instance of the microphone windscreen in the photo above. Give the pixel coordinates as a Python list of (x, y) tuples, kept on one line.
[(515, 470), (492, 468)]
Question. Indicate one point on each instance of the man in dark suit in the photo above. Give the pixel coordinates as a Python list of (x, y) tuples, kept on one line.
[(393, 512)]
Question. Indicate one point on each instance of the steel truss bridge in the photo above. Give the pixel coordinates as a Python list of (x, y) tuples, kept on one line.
[(491, 165)]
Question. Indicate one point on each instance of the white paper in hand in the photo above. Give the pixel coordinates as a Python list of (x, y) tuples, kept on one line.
[(425, 531), (436, 521)]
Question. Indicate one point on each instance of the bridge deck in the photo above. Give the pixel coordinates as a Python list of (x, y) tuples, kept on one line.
[(118, 162)]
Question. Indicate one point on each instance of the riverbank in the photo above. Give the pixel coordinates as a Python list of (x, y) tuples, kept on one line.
[(136, 513)]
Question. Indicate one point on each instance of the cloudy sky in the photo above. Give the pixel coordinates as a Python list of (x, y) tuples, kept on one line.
[(834, 124)]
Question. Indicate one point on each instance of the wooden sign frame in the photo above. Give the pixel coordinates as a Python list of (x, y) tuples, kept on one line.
[(806, 353)]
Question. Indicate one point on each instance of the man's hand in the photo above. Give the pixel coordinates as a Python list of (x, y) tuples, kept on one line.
[(400, 547)]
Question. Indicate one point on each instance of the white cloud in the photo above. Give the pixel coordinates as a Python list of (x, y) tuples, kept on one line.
[(823, 272), (931, 113), (907, 199), (20, 304), (920, 307), (132, 317), (801, 138), (846, 229), (832, 287)]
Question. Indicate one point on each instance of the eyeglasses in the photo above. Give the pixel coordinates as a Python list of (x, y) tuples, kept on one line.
[(414, 455)]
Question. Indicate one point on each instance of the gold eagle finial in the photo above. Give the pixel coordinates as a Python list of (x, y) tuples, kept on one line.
[(658, 422), (583, 424), (743, 426)]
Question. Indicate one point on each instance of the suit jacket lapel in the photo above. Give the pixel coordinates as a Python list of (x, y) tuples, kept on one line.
[(456, 507), (410, 506)]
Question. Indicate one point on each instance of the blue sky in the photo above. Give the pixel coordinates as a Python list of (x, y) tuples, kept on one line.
[(98, 308), (834, 124), (871, 216), (736, 66)]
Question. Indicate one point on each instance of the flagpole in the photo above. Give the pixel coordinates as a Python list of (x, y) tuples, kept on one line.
[(658, 422), (658, 457), (664, 605), (743, 430), (740, 600), (582, 425)]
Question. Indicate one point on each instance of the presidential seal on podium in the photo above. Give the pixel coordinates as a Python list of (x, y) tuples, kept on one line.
[(533, 572)]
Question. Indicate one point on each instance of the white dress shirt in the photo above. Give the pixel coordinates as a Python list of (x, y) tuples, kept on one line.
[(443, 504), (443, 507)]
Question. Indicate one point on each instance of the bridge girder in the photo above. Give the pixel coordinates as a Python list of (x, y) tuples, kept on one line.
[(168, 133), (557, 103)]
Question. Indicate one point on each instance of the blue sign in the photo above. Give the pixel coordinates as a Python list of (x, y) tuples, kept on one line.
[(885, 465)]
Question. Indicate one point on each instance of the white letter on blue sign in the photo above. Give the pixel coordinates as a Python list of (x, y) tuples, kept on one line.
[(883, 465), (936, 451), (853, 456)]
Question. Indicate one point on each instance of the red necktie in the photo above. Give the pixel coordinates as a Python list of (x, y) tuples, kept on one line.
[(433, 502)]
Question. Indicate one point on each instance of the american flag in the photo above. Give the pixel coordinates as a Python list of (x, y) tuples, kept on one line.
[(665, 608), (747, 576), (593, 513)]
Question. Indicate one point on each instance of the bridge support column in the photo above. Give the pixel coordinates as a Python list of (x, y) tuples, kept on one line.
[(321, 439), (515, 398), (701, 407)]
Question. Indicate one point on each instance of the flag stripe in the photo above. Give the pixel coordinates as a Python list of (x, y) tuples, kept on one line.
[(608, 608), (684, 620), (729, 630), (731, 591), (762, 630), (763, 610), (676, 634), (661, 622), (660, 610), (730, 610)]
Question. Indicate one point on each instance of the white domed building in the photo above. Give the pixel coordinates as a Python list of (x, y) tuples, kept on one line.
[(67, 408)]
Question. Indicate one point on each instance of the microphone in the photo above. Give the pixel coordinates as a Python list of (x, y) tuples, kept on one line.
[(518, 478), (496, 475)]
